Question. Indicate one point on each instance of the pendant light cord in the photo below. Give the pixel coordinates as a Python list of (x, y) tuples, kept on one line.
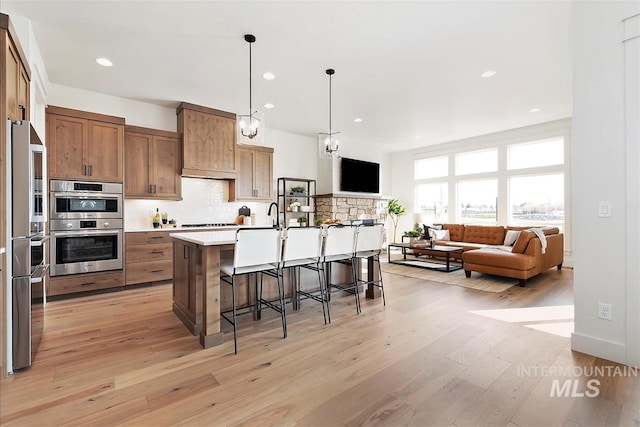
[(329, 105), (250, 106)]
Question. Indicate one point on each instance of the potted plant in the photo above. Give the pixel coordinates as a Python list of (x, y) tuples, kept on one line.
[(294, 205), (302, 221), (156, 220), (413, 235), (165, 217), (299, 191), (395, 211)]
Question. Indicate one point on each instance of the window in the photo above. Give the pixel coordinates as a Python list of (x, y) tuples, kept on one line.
[(433, 202), (477, 201), (537, 200), (477, 162), (431, 168), (535, 154)]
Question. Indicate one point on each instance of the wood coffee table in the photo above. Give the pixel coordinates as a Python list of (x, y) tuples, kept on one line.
[(423, 261)]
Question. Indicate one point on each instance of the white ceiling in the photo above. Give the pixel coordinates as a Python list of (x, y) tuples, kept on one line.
[(408, 69)]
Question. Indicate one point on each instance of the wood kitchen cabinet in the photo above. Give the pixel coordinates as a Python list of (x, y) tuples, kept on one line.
[(148, 257), (255, 173), (153, 162), (208, 141), (85, 146), (75, 283)]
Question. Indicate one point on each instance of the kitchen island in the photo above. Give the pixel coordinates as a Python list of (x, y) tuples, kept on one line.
[(196, 281)]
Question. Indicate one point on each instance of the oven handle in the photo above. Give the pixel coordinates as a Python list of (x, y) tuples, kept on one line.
[(88, 195), (87, 233), (39, 241), (38, 274)]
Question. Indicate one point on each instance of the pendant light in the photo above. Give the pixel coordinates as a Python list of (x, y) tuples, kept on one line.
[(250, 126), (329, 143)]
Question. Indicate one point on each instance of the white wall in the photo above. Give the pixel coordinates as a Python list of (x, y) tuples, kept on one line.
[(135, 112), (329, 169), (604, 169)]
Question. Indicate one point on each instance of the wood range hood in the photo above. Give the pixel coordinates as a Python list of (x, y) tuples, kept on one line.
[(208, 142)]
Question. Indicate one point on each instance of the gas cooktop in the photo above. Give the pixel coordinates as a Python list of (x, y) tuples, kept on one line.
[(215, 224)]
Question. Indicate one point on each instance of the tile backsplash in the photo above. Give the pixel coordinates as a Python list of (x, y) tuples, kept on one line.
[(203, 201)]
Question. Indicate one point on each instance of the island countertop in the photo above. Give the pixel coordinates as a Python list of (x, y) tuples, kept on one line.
[(208, 238)]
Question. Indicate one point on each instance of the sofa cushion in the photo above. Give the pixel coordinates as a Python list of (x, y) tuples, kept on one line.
[(490, 235), (497, 258), (456, 231), (523, 241)]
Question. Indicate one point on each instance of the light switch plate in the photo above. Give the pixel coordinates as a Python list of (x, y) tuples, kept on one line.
[(604, 209)]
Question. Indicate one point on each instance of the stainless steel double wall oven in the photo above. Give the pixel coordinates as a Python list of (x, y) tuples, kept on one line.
[(86, 227)]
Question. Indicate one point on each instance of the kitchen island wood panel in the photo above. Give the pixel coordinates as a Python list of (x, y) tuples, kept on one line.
[(196, 282)]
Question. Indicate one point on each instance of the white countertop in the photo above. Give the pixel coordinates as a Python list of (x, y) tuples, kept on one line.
[(208, 238), (171, 229)]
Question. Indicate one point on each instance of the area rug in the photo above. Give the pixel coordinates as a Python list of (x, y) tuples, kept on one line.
[(479, 281)]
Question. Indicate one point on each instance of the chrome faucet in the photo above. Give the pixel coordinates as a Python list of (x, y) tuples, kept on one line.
[(277, 212)]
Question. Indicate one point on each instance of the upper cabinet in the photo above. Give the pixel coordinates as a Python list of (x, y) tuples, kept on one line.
[(17, 79), (84, 146), (255, 173), (153, 163), (209, 142)]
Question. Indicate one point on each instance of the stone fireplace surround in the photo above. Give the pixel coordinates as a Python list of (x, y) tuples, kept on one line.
[(351, 207)]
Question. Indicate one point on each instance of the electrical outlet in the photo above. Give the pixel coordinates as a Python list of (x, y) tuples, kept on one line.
[(605, 311)]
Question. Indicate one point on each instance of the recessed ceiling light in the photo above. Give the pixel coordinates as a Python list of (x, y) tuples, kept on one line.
[(269, 105), (534, 110), (357, 120), (268, 75), (487, 74), (104, 62)]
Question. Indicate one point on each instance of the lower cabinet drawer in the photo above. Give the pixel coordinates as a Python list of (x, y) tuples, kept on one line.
[(150, 271), (62, 285)]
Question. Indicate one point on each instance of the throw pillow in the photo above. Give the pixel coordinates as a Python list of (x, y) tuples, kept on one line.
[(441, 235), (428, 228), (511, 237)]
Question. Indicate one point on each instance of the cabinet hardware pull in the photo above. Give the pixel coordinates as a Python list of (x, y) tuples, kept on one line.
[(157, 252), (157, 237), (155, 188), (185, 252), (84, 169), (88, 283), (156, 271), (150, 188), (90, 170)]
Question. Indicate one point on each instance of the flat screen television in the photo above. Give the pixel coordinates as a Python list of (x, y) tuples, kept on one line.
[(359, 176)]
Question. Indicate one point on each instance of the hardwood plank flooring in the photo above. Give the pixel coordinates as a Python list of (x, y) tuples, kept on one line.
[(424, 359)]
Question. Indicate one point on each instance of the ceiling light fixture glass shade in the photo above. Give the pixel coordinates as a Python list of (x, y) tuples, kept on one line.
[(329, 143), (251, 125)]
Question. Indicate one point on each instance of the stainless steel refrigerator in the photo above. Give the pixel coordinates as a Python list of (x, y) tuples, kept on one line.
[(26, 220)]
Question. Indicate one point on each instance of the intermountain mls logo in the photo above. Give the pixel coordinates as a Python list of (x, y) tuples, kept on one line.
[(572, 379)]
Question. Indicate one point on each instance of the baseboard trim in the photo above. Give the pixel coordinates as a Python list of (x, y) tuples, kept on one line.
[(609, 350)]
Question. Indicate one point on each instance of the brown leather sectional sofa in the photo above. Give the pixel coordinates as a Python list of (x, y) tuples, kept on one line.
[(484, 251)]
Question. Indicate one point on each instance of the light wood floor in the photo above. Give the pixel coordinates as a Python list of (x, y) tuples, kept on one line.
[(424, 359)]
